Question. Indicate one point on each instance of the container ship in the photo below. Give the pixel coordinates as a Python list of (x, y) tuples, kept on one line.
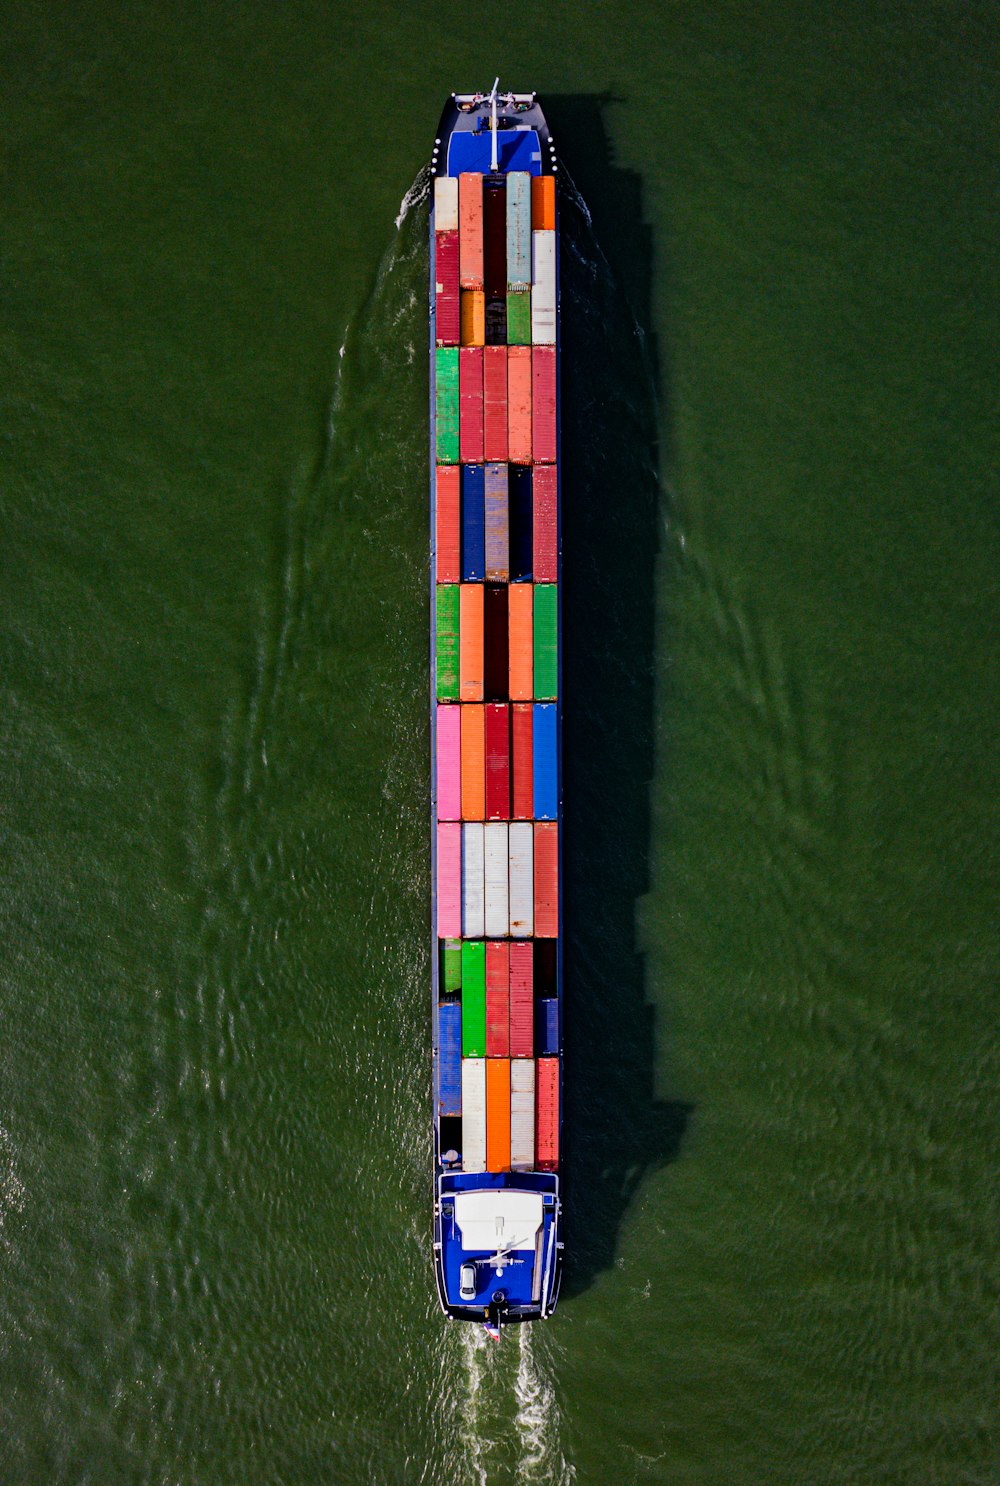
[(496, 796)]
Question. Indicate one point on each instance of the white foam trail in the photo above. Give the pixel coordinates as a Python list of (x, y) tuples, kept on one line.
[(474, 1344), (538, 1421), (12, 1189), (417, 193)]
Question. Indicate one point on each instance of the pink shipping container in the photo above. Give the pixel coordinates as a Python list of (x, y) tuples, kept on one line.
[(449, 880), (449, 762), (543, 404), (546, 879), (495, 403), (545, 532), (522, 1008), (470, 404), (446, 288)]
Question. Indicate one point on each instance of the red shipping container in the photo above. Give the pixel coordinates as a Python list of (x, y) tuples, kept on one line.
[(522, 999), (543, 404), (547, 1114), (546, 879), (470, 229), (447, 528), (470, 404), (497, 999), (519, 404), (497, 761), (545, 524), (495, 403), (522, 762), (446, 320)]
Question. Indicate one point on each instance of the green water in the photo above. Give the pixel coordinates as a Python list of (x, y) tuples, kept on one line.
[(781, 562)]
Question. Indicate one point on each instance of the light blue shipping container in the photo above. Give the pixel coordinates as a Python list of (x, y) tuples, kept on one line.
[(518, 230), (497, 525), (545, 761)]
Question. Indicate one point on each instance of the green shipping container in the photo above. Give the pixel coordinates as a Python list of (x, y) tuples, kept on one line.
[(451, 970), (519, 319), (446, 638), (446, 390), (473, 1000), (546, 641)]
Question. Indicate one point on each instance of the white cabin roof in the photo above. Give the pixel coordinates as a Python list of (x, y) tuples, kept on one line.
[(498, 1221)]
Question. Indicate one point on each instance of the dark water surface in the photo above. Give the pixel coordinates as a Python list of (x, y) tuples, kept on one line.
[(781, 717)]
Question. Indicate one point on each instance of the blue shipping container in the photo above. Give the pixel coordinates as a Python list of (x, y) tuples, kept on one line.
[(473, 524), (546, 772), (450, 1058), (547, 1028), (519, 503), (518, 230)]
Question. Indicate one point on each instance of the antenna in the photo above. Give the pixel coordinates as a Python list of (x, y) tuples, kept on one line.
[(493, 125)]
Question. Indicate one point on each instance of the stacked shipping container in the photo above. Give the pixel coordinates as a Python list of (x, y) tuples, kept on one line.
[(496, 654)]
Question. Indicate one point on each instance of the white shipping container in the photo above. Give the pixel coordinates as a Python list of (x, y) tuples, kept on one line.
[(522, 886), (445, 203), (472, 881), (522, 1113), (543, 288), (497, 902), (474, 1114)]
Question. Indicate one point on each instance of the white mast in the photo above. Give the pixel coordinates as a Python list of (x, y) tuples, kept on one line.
[(493, 125)]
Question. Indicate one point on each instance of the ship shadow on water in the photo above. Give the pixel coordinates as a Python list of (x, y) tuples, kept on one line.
[(613, 397)]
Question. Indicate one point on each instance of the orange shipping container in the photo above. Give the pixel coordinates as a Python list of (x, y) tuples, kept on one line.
[(546, 879), (497, 1114), (519, 404), (470, 642), (447, 528), (543, 202), (521, 642), (470, 230), (473, 761), (473, 317)]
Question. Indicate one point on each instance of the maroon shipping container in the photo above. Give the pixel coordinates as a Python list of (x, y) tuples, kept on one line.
[(495, 402), (447, 324), (547, 1114), (497, 1000), (522, 1002), (470, 404), (544, 529), (497, 761), (495, 241), (522, 762), (543, 405), (496, 667)]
